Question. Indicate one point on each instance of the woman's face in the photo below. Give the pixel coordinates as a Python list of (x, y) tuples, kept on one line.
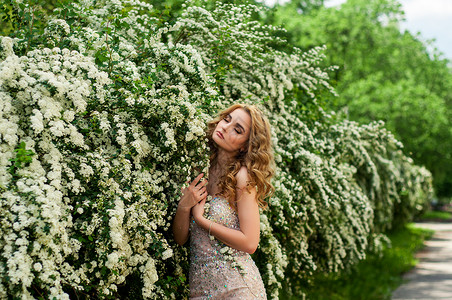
[(232, 132)]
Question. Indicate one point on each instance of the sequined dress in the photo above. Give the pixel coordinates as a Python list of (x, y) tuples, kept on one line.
[(212, 275)]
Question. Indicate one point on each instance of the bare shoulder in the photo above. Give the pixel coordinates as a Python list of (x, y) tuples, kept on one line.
[(242, 177), (246, 193)]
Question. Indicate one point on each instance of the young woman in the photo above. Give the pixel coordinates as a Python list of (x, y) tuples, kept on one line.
[(241, 166)]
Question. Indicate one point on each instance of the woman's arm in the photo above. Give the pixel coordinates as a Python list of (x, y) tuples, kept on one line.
[(247, 238), (181, 225), (191, 195)]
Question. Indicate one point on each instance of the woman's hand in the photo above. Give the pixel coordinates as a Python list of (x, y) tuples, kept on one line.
[(198, 210), (194, 193), (191, 195)]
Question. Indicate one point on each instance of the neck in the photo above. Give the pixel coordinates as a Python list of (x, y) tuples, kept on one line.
[(217, 168), (223, 158)]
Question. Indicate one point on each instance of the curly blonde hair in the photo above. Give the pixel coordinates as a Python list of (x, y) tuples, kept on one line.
[(257, 157)]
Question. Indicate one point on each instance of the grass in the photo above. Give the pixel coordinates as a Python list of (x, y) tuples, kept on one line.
[(434, 215), (377, 276)]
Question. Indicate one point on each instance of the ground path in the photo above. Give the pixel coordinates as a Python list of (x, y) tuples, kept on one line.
[(432, 277)]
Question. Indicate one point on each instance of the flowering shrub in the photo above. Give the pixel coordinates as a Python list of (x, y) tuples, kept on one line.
[(102, 118)]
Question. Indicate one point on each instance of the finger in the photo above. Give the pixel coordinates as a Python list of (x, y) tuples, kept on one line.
[(202, 191), (195, 182), (203, 182)]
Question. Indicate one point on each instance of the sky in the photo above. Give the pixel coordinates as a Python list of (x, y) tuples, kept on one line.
[(431, 18)]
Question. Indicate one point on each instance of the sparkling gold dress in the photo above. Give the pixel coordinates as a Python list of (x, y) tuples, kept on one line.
[(212, 274)]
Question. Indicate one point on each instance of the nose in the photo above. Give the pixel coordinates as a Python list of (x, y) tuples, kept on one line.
[(225, 126)]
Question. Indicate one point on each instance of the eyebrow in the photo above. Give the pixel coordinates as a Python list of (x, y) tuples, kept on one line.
[(238, 124)]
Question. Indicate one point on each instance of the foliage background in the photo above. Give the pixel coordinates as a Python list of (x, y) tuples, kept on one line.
[(384, 74), (103, 111)]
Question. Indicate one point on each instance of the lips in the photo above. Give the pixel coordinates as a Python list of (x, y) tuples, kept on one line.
[(220, 135)]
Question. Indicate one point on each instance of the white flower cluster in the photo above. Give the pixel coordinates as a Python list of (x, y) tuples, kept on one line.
[(41, 93), (112, 107)]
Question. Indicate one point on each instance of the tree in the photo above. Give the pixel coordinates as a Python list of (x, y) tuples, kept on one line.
[(378, 66)]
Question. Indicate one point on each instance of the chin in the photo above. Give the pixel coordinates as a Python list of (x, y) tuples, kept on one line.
[(220, 143), (215, 138)]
